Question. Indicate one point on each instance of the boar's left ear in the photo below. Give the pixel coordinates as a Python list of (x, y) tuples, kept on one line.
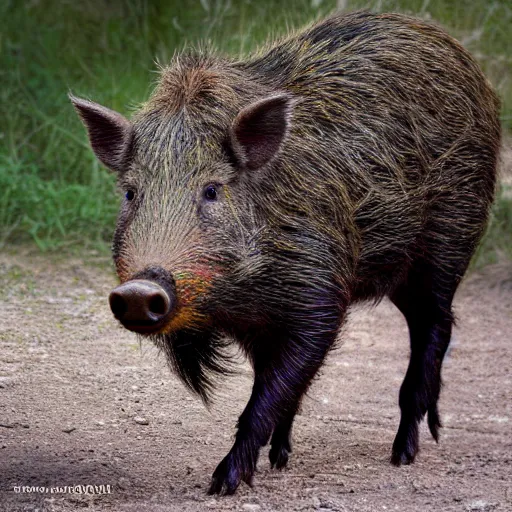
[(110, 133), (260, 129)]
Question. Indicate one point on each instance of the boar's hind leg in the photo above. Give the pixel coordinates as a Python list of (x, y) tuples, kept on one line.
[(280, 381), (425, 300)]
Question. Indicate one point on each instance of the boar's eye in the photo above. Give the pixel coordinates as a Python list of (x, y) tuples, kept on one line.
[(130, 194), (210, 193)]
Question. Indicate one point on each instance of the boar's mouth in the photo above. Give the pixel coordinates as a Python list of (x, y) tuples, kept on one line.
[(146, 303)]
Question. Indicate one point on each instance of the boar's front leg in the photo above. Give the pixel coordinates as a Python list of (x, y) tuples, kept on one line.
[(280, 444), (283, 371)]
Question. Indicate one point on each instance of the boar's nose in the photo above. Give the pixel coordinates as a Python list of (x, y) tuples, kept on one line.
[(140, 305)]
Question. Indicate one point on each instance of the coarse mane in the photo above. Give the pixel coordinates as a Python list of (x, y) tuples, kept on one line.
[(195, 82)]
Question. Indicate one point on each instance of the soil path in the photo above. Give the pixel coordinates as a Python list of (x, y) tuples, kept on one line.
[(72, 383)]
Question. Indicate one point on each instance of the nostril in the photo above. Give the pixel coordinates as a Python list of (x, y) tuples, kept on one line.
[(118, 305), (158, 304)]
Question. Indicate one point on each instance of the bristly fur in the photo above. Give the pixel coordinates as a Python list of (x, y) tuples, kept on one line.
[(353, 160), (197, 359)]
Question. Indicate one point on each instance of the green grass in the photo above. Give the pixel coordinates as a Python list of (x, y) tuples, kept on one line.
[(54, 193), (496, 245)]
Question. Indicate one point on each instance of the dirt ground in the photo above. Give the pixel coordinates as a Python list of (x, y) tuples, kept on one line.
[(76, 391)]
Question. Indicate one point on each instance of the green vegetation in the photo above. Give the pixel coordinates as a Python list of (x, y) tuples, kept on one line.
[(52, 189), (497, 242)]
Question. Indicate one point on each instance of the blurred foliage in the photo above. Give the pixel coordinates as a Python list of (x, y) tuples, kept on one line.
[(54, 192)]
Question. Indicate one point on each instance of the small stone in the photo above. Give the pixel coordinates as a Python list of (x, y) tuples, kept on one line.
[(135, 388), (100, 423), (140, 420), (481, 506), (6, 382), (251, 506), (25, 425), (316, 502), (123, 483), (68, 430)]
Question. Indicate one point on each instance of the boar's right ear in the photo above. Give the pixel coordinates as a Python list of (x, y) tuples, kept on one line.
[(260, 129), (110, 133)]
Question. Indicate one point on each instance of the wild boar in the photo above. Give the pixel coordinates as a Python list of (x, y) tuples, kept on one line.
[(353, 160)]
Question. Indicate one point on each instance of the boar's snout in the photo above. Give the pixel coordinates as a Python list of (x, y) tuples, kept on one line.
[(142, 306)]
